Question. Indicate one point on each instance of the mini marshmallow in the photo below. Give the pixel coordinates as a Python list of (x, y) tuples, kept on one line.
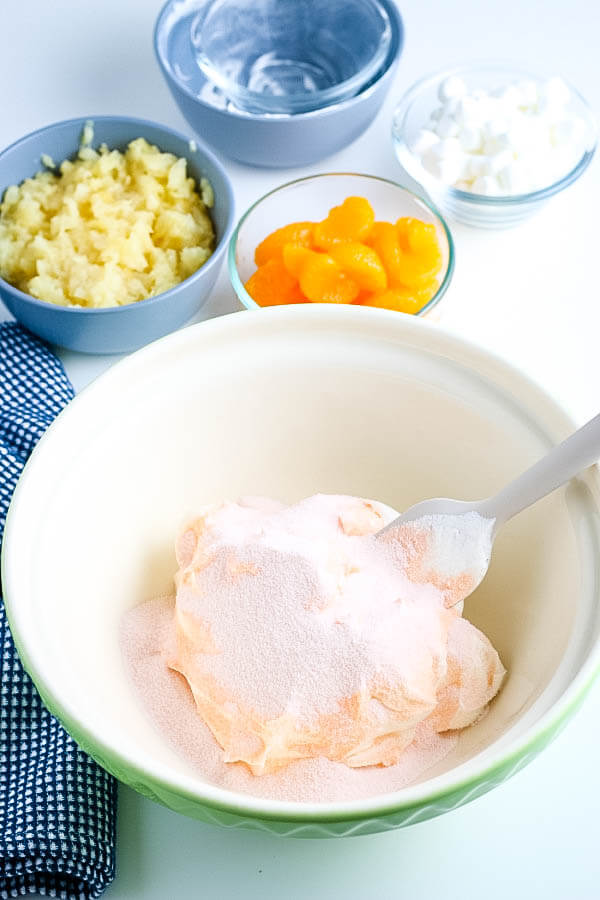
[(494, 145), (495, 127), (554, 97), (450, 107), (449, 169), (448, 148), (469, 113), (571, 134), (511, 180), (524, 134), (488, 185), (424, 141), (476, 165), (447, 127), (431, 161), (497, 161), (509, 96), (452, 88), (470, 139), (528, 91)]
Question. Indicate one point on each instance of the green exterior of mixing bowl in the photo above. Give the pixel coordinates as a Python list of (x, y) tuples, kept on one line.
[(388, 817)]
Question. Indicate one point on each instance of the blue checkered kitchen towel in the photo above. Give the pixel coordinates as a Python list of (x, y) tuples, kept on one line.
[(57, 807)]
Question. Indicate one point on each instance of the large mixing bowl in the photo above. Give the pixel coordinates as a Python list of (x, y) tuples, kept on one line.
[(287, 402)]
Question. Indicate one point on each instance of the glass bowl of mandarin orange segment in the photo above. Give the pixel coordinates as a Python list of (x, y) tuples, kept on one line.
[(342, 238)]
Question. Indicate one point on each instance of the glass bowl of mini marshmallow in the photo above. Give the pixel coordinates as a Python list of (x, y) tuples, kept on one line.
[(490, 143)]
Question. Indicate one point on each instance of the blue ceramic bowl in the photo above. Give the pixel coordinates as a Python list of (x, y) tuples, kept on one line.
[(117, 329), (271, 140)]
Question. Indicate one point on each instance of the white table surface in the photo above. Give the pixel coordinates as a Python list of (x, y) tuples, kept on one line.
[(530, 294)]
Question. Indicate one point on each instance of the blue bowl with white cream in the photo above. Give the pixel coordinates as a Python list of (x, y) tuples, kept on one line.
[(490, 144)]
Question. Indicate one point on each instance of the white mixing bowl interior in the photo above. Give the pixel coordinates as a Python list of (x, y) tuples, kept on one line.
[(287, 403)]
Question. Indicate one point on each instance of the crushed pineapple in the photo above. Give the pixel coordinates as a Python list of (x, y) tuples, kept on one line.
[(110, 229)]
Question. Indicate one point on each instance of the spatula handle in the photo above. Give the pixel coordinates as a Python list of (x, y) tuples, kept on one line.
[(567, 459)]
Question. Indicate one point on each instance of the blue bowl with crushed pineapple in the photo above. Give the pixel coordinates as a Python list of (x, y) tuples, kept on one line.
[(117, 329)]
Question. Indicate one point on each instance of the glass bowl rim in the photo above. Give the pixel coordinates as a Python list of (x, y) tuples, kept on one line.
[(247, 301), (404, 152), (343, 90)]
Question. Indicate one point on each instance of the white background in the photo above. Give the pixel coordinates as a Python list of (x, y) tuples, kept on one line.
[(531, 294)]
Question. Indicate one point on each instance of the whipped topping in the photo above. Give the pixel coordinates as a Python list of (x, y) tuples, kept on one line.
[(303, 634)]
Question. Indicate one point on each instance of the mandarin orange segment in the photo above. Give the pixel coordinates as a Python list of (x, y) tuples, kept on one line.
[(272, 245), (351, 221), (362, 264), (406, 300), (384, 240), (420, 241), (272, 285), (418, 235), (323, 281), (394, 298), (404, 267), (296, 296), (294, 256), (418, 269)]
